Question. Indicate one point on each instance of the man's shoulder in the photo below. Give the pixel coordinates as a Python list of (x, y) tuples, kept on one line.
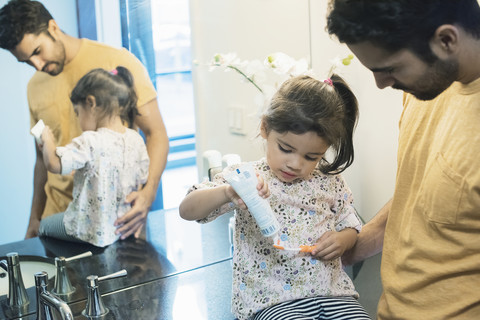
[(95, 45), (92, 47)]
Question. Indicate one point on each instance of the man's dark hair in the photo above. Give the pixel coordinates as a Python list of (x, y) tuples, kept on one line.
[(20, 17), (400, 24)]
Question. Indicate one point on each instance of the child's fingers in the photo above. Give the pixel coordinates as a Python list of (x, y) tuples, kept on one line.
[(239, 202), (262, 187)]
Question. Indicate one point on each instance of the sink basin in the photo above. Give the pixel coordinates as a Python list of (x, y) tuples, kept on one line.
[(29, 266)]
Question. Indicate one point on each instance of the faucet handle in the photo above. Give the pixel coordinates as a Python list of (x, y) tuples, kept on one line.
[(95, 306), (63, 286), (79, 256), (118, 274), (17, 295)]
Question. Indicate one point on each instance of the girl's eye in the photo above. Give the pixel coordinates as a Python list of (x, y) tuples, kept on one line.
[(283, 149), (310, 158)]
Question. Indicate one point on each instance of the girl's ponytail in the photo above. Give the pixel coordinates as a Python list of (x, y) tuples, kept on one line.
[(128, 103), (350, 106)]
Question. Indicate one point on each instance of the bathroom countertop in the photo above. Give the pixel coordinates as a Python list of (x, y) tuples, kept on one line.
[(181, 263)]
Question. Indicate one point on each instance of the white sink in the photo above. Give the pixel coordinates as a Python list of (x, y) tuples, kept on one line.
[(29, 266)]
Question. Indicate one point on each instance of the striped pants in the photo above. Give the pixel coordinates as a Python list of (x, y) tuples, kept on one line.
[(316, 308), (52, 226)]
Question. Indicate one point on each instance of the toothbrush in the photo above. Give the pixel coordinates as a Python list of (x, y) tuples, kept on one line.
[(302, 248)]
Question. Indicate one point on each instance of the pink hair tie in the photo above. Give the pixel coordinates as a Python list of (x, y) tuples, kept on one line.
[(114, 72), (328, 81)]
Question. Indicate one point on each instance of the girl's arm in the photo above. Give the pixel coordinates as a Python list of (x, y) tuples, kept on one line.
[(199, 203), (50, 157), (332, 244)]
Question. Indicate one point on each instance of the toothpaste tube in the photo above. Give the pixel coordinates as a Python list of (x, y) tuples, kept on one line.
[(37, 131), (244, 182)]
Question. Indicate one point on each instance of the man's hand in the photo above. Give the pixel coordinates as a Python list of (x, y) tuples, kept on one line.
[(134, 220)]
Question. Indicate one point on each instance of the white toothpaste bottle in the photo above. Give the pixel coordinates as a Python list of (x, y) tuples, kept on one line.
[(244, 182), (37, 131)]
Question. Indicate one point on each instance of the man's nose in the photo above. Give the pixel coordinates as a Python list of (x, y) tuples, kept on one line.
[(383, 80), (37, 63)]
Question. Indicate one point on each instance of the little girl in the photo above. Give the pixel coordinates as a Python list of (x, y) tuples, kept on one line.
[(109, 160), (310, 200)]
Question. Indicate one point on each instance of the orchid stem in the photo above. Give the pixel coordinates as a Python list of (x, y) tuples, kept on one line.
[(245, 76)]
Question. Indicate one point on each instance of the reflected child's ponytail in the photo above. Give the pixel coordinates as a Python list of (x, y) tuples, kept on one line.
[(114, 93), (128, 102)]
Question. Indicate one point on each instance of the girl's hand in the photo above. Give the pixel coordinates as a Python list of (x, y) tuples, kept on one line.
[(233, 197), (333, 244), (47, 137), (262, 187)]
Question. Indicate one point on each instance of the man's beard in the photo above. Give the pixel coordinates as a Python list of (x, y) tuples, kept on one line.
[(437, 79)]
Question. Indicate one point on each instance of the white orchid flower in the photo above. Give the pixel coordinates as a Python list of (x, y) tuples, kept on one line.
[(280, 62), (300, 67), (221, 59), (255, 70)]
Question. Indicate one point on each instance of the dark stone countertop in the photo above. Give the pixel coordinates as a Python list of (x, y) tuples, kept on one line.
[(181, 268)]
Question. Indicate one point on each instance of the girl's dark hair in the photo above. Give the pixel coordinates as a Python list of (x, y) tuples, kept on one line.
[(400, 24), (20, 17), (303, 104), (113, 91)]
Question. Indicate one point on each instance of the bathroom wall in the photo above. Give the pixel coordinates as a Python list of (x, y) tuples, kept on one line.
[(255, 28), (17, 145)]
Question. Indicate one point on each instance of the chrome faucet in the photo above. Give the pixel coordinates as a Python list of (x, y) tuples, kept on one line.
[(17, 295), (63, 286), (95, 307), (46, 300)]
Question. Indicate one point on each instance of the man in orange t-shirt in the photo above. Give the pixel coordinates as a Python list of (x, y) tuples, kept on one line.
[(429, 229)]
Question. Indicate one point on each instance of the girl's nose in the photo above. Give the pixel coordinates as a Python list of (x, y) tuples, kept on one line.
[(294, 163), (383, 80)]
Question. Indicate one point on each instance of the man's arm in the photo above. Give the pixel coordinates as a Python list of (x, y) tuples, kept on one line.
[(370, 239), (151, 123), (39, 195)]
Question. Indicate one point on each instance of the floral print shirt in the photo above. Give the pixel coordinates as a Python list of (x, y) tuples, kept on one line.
[(108, 166), (264, 276)]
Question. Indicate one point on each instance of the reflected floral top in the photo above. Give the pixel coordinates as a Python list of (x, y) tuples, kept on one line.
[(264, 276), (109, 165)]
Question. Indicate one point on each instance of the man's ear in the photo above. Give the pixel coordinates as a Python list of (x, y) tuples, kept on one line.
[(90, 101), (445, 41), (53, 28)]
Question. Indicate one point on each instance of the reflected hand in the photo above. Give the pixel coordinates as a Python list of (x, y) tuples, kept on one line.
[(32, 229), (135, 219)]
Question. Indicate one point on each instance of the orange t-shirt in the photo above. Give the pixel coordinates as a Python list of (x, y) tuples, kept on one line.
[(431, 254)]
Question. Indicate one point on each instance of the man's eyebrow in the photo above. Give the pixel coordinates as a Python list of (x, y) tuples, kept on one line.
[(33, 53)]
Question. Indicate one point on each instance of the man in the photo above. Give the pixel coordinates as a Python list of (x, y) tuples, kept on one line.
[(29, 32), (429, 229)]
